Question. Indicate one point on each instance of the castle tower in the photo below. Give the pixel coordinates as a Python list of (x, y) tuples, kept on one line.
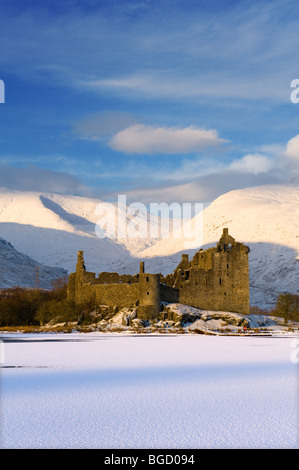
[(231, 275), (74, 291), (80, 262), (80, 271), (149, 295), (216, 278), (226, 241)]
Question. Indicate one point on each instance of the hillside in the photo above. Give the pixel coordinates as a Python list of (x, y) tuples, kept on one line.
[(51, 228), (17, 269), (267, 219)]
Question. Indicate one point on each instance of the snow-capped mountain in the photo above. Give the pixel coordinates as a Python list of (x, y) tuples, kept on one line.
[(51, 228), (266, 218), (17, 269)]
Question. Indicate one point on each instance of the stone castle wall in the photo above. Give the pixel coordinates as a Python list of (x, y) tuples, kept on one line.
[(141, 290), (215, 279)]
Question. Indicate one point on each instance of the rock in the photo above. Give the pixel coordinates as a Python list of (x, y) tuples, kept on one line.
[(137, 323)]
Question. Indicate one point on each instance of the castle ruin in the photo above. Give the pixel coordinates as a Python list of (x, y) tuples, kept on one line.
[(214, 279)]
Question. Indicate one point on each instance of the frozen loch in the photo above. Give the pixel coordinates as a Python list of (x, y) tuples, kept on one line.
[(150, 391)]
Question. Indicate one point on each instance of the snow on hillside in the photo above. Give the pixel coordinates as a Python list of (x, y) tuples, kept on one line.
[(51, 228), (266, 218), (17, 269)]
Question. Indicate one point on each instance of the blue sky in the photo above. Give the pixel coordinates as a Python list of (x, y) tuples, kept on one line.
[(160, 100)]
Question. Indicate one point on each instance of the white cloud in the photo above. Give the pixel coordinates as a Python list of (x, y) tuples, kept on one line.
[(236, 54), (252, 163), (98, 125), (162, 84), (202, 189), (34, 178), (146, 139), (292, 148)]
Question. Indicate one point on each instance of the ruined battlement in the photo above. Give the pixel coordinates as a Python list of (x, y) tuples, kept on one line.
[(214, 279), (141, 291)]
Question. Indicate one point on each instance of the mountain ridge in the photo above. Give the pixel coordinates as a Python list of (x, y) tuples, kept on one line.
[(51, 228), (19, 270)]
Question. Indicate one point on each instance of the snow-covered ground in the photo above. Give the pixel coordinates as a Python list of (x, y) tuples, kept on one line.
[(148, 391)]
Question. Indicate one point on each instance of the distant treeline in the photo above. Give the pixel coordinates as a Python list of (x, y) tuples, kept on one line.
[(24, 307), (287, 307), (35, 307)]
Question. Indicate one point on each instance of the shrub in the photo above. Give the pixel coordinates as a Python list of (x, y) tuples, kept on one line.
[(60, 310), (255, 310), (20, 306), (287, 306)]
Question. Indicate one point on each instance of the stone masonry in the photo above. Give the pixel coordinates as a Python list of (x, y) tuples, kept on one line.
[(214, 279)]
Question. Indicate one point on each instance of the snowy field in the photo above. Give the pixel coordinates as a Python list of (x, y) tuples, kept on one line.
[(123, 391)]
